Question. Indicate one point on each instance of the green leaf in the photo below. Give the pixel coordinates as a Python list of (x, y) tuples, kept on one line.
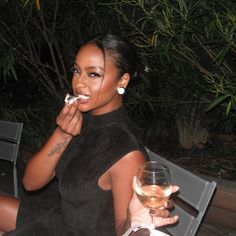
[(229, 106), (221, 56), (217, 101), (25, 2), (183, 8), (233, 100)]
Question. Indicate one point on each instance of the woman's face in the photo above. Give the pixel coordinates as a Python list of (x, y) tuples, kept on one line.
[(96, 80)]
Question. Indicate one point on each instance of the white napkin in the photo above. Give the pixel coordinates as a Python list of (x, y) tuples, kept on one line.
[(150, 227), (70, 98)]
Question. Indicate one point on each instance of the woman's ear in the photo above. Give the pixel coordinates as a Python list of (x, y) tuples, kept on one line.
[(124, 80)]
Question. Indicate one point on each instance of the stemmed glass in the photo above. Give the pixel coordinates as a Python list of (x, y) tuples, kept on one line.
[(153, 185)]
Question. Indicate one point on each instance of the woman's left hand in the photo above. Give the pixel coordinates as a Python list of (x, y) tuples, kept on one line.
[(139, 214)]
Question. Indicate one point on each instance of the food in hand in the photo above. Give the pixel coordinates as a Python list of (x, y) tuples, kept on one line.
[(70, 98)]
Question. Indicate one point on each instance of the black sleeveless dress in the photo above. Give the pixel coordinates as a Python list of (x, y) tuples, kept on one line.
[(84, 208)]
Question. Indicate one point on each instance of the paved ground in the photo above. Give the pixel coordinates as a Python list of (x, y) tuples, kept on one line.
[(7, 186)]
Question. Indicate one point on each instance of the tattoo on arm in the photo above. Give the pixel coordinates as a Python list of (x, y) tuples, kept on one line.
[(59, 147)]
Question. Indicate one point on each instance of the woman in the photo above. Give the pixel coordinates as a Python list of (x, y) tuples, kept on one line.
[(93, 152)]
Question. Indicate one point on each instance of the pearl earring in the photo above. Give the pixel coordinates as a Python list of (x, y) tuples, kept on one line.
[(120, 90)]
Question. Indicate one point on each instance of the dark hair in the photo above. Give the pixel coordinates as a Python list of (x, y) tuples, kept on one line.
[(124, 54)]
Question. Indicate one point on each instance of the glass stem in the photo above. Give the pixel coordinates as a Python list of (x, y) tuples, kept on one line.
[(152, 214)]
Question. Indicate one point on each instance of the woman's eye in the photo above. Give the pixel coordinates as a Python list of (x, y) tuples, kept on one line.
[(74, 70), (94, 74)]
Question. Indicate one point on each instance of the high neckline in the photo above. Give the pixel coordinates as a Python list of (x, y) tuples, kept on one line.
[(109, 117)]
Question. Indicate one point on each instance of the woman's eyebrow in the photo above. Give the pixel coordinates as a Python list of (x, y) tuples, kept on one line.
[(89, 67), (94, 67), (75, 65)]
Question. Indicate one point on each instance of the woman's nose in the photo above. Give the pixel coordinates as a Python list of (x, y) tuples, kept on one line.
[(79, 82)]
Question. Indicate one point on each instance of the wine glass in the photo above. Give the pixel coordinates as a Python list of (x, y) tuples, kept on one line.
[(153, 185)]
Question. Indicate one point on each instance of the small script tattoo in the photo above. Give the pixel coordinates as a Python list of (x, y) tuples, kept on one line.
[(59, 147)]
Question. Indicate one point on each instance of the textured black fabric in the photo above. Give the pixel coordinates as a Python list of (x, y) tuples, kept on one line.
[(84, 209)]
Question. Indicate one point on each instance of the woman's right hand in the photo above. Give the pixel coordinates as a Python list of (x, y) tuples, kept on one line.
[(70, 119), (139, 214)]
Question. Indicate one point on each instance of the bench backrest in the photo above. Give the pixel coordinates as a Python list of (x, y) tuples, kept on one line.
[(10, 136)]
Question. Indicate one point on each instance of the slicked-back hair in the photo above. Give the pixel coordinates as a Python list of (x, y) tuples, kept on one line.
[(124, 55)]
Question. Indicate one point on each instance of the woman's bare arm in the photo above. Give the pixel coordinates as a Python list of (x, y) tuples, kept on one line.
[(122, 174), (127, 207), (41, 168)]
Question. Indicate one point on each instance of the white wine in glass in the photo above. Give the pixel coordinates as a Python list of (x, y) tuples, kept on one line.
[(153, 185)]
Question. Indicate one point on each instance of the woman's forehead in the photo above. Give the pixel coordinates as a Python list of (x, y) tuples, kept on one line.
[(91, 54)]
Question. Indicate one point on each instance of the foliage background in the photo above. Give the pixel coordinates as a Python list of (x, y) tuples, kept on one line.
[(188, 88)]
